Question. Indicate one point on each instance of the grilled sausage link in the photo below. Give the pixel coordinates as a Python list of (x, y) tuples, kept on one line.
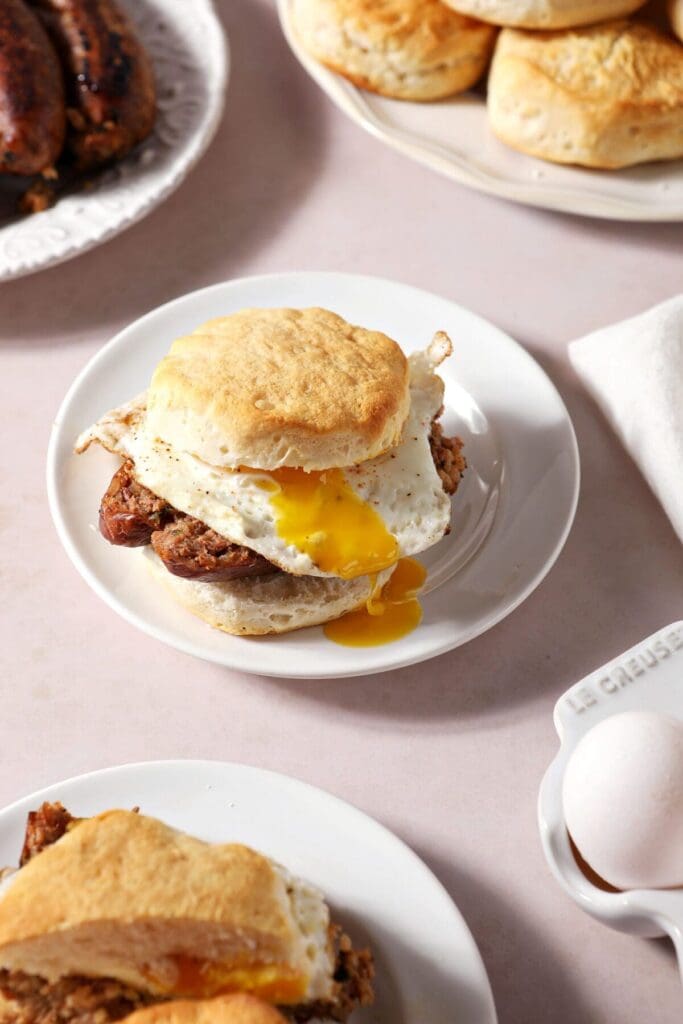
[(32, 113), (111, 100)]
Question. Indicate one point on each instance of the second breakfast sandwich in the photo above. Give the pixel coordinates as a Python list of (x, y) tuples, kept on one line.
[(280, 466), (111, 914)]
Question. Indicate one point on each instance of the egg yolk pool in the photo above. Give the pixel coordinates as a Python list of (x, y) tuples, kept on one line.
[(388, 615), (321, 515)]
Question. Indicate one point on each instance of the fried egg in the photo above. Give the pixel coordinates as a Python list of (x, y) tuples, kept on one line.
[(343, 523)]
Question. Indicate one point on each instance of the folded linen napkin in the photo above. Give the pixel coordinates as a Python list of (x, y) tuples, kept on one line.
[(634, 370)]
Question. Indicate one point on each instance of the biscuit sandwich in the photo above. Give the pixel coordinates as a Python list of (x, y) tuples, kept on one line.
[(110, 915), (406, 49), (545, 14), (606, 96), (281, 467)]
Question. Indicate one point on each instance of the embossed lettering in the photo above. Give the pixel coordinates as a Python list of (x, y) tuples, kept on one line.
[(608, 685), (635, 668), (622, 676), (577, 708), (649, 658), (675, 639), (661, 649)]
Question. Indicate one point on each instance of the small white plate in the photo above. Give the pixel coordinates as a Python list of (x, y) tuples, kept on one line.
[(188, 47), (511, 515), (649, 676), (453, 137), (429, 970)]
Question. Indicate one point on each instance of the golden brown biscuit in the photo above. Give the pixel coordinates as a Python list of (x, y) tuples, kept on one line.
[(408, 49), (606, 96), (233, 1009), (280, 387), (545, 14)]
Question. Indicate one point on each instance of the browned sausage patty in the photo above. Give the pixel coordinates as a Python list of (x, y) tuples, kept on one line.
[(132, 516), (448, 458), (71, 1000), (111, 100), (189, 548), (43, 828), (130, 513), (32, 113)]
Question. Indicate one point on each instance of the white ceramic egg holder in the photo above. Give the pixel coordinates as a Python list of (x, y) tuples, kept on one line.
[(649, 676)]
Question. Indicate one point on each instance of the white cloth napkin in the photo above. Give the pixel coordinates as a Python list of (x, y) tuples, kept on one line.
[(634, 370)]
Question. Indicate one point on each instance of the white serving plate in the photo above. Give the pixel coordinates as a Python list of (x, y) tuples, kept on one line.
[(452, 136), (429, 970), (190, 53), (648, 676), (511, 516)]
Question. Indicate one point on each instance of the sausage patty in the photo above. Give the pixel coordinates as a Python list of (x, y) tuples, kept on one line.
[(32, 113), (132, 516), (191, 549), (130, 513), (448, 458), (111, 98), (43, 828)]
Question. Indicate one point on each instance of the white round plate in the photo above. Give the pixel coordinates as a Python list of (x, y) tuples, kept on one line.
[(429, 970), (453, 137), (511, 514), (190, 54)]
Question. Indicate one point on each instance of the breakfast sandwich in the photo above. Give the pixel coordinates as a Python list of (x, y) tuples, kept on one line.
[(407, 49), (282, 468), (112, 914)]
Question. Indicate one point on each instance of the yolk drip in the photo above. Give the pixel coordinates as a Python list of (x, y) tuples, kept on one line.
[(202, 979), (321, 515), (387, 616)]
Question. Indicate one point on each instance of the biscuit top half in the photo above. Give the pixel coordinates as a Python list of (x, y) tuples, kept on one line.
[(267, 388)]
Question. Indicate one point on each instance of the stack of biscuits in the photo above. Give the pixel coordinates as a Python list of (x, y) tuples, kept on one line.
[(596, 83)]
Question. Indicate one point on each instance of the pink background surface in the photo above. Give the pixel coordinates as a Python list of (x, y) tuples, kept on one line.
[(448, 754)]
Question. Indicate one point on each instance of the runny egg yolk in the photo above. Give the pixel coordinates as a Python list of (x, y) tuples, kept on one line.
[(321, 515), (388, 615), (203, 979)]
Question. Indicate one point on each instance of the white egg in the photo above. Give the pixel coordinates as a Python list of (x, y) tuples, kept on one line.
[(623, 800), (402, 485)]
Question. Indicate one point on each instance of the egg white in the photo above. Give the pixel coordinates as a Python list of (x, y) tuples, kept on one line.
[(402, 485)]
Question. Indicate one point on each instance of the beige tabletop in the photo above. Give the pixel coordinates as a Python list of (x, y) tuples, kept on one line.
[(448, 754)]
